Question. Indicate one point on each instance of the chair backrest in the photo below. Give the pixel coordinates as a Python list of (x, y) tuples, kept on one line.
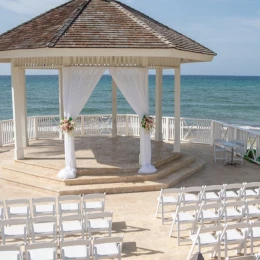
[(44, 200), (255, 202), (217, 205), (2, 210), (77, 242), (238, 203), (187, 208), (106, 240), (99, 215), (234, 186), (195, 189), (45, 219), (170, 191), (14, 248), (79, 217), (214, 188), (218, 141), (69, 198), (18, 202), (44, 245), (251, 185), (14, 221), (94, 196)]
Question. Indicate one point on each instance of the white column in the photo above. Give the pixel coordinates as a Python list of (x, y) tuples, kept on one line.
[(61, 109), (177, 110), (158, 112), (18, 110), (22, 85), (114, 109)]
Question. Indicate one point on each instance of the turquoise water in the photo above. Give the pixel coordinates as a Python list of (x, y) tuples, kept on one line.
[(231, 99)]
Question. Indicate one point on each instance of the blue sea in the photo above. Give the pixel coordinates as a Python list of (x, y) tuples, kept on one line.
[(232, 99)]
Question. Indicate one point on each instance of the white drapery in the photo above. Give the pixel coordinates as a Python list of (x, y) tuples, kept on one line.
[(133, 83), (78, 84)]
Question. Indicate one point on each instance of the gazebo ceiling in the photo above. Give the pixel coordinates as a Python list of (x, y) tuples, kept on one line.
[(96, 24)]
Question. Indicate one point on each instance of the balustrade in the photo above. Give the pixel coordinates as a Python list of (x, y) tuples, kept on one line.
[(192, 130)]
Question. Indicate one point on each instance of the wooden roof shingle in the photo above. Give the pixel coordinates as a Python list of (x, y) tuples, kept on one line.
[(96, 24)]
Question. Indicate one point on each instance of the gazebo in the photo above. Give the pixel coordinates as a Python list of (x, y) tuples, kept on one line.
[(83, 38)]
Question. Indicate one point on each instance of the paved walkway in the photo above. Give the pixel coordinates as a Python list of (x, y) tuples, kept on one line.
[(144, 236)]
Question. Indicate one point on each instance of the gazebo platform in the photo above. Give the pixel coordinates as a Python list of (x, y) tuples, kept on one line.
[(104, 165)]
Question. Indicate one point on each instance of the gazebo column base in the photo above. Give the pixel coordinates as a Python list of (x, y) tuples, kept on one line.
[(19, 154)]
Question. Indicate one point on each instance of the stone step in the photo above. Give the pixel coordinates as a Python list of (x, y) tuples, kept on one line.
[(45, 189), (40, 166), (32, 178), (164, 170), (127, 187), (30, 171)]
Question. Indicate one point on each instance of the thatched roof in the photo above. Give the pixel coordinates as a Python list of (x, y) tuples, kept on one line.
[(96, 24)]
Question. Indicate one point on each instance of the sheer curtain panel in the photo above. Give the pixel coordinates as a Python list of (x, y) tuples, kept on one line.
[(78, 84), (133, 83)]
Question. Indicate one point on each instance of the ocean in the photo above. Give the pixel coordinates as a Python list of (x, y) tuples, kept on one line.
[(231, 99)]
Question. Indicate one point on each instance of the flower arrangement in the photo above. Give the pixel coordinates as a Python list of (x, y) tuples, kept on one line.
[(67, 125), (147, 123)]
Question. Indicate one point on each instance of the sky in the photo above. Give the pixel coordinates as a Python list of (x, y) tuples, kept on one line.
[(231, 28)]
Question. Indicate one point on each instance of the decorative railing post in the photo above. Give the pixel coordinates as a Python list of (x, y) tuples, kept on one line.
[(167, 129), (127, 125), (36, 127), (1, 135), (82, 125)]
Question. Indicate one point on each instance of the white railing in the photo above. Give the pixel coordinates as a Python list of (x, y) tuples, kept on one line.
[(192, 130)]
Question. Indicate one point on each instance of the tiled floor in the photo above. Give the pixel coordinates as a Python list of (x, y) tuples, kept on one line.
[(144, 236)]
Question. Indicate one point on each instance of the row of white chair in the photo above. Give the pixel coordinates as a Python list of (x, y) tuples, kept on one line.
[(216, 236), (98, 248), (214, 214), (206, 194), (69, 204), (46, 227)]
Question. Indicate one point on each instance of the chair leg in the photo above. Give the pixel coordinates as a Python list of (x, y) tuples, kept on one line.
[(162, 207), (178, 234), (157, 209), (171, 230)]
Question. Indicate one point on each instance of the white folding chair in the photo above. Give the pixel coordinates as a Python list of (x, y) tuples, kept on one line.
[(14, 229), (2, 210), (69, 204), (168, 197), (253, 209), (94, 202), (109, 247), (232, 191), (10, 252), (213, 193), (45, 206), (184, 215), (251, 190), (219, 150), (43, 227), (41, 251), (75, 249), (18, 208), (232, 234), (99, 222), (192, 195), (207, 237), (253, 234), (235, 210), (210, 213), (72, 225)]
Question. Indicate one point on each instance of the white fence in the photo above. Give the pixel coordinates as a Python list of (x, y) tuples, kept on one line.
[(192, 130)]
